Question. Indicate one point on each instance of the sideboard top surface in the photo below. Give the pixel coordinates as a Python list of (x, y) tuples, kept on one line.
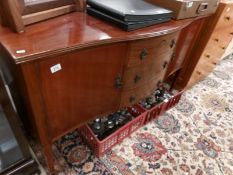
[(73, 31)]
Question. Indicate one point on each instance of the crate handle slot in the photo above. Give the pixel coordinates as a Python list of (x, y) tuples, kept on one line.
[(202, 7)]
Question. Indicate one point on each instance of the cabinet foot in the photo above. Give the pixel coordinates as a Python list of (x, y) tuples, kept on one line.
[(48, 152)]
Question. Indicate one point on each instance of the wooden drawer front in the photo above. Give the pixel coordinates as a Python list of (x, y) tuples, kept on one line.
[(226, 19), (145, 51), (133, 96), (139, 75)]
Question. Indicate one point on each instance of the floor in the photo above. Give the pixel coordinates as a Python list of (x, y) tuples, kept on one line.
[(195, 138)]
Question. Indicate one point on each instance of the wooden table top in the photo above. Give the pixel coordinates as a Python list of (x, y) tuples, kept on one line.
[(73, 31)]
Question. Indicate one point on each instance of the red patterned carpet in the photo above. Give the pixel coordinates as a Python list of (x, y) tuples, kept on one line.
[(194, 138)]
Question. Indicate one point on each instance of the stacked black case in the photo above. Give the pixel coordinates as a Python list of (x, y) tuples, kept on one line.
[(128, 14)]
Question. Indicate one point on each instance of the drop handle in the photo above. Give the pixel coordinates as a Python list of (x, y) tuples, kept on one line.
[(173, 56), (173, 43), (165, 64), (137, 78), (118, 82), (143, 54)]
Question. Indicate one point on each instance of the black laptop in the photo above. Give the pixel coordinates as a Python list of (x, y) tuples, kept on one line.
[(128, 26), (128, 14), (130, 10)]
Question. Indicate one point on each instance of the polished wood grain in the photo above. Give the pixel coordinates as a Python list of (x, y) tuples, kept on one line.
[(190, 60), (1, 21), (31, 7), (99, 63), (25, 90), (83, 89), (143, 67), (18, 13), (10, 10), (147, 51), (81, 5), (184, 46), (148, 60), (74, 31), (142, 75), (33, 97), (47, 14), (131, 96)]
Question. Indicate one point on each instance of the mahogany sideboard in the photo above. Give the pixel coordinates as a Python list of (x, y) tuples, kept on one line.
[(70, 69)]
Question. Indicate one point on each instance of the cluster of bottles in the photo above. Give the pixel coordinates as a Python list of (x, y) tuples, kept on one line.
[(159, 96), (106, 125)]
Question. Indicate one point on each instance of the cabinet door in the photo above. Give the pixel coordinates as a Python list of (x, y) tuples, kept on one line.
[(82, 86)]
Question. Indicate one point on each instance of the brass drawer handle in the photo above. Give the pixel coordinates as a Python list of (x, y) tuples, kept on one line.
[(165, 64), (137, 78), (132, 99), (143, 54), (173, 43), (118, 82), (173, 56)]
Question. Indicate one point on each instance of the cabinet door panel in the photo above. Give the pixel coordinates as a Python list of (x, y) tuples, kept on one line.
[(83, 87)]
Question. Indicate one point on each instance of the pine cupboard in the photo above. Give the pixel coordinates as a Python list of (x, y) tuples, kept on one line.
[(215, 40)]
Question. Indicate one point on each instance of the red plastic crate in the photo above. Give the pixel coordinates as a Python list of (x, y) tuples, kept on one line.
[(102, 146), (153, 113), (173, 101), (159, 109)]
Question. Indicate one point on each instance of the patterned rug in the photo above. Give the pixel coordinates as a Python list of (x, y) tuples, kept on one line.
[(195, 138)]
